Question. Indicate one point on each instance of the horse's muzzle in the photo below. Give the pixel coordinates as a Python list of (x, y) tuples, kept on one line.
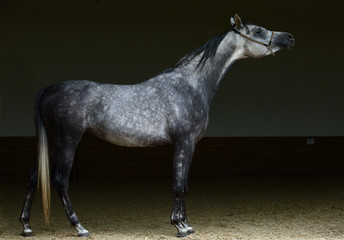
[(284, 40)]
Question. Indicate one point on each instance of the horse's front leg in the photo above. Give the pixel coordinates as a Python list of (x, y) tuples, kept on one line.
[(182, 161)]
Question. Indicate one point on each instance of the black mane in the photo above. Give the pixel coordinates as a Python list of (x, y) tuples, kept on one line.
[(208, 49)]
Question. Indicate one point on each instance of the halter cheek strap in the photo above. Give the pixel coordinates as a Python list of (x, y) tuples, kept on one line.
[(268, 46)]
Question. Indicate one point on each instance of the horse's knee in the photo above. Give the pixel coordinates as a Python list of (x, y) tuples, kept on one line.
[(180, 190)]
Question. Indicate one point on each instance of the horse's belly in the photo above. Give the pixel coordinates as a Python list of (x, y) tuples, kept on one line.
[(130, 141), (129, 119), (133, 135)]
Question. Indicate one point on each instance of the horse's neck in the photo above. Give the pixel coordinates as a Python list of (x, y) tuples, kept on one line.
[(207, 78)]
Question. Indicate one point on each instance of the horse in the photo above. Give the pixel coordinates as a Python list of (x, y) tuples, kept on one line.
[(169, 108)]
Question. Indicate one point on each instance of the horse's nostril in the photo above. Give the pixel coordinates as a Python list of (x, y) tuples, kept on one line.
[(290, 37)]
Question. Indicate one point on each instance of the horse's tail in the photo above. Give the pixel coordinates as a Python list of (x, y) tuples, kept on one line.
[(43, 161)]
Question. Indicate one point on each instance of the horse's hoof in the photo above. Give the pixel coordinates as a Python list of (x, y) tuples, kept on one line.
[(83, 234), (27, 233), (182, 234)]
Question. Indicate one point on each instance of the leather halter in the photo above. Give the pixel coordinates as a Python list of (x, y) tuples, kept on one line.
[(268, 46)]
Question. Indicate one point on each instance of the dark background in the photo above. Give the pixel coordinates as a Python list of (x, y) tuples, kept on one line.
[(296, 93)]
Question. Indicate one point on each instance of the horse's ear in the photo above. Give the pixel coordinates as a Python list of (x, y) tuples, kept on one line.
[(232, 22), (236, 21)]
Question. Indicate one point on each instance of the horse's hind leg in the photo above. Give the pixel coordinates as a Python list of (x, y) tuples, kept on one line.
[(25, 214), (63, 158), (182, 161)]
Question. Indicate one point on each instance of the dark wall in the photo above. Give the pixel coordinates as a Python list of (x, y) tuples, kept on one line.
[(296, 93), (214, 156)]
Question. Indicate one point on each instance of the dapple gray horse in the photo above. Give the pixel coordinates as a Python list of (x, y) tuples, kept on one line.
[(170, 108)]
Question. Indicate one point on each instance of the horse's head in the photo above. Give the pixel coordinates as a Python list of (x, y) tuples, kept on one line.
[(259, 42)]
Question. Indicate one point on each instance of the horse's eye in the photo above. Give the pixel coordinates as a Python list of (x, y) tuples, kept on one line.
[(258, 31)]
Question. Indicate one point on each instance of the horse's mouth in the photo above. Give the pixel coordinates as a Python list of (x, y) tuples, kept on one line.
[(287, 46)]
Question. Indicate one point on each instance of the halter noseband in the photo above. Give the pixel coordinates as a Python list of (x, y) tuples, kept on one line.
[(268, 46)]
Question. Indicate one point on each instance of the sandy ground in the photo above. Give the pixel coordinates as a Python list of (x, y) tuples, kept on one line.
[(290, 207)]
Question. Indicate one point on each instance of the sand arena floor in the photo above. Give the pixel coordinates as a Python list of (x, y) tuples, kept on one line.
[(290, 207)]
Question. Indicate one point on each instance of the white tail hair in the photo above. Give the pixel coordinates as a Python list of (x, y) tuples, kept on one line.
[(43, 166)]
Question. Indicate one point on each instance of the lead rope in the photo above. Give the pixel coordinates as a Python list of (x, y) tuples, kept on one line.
[(268, 46)]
